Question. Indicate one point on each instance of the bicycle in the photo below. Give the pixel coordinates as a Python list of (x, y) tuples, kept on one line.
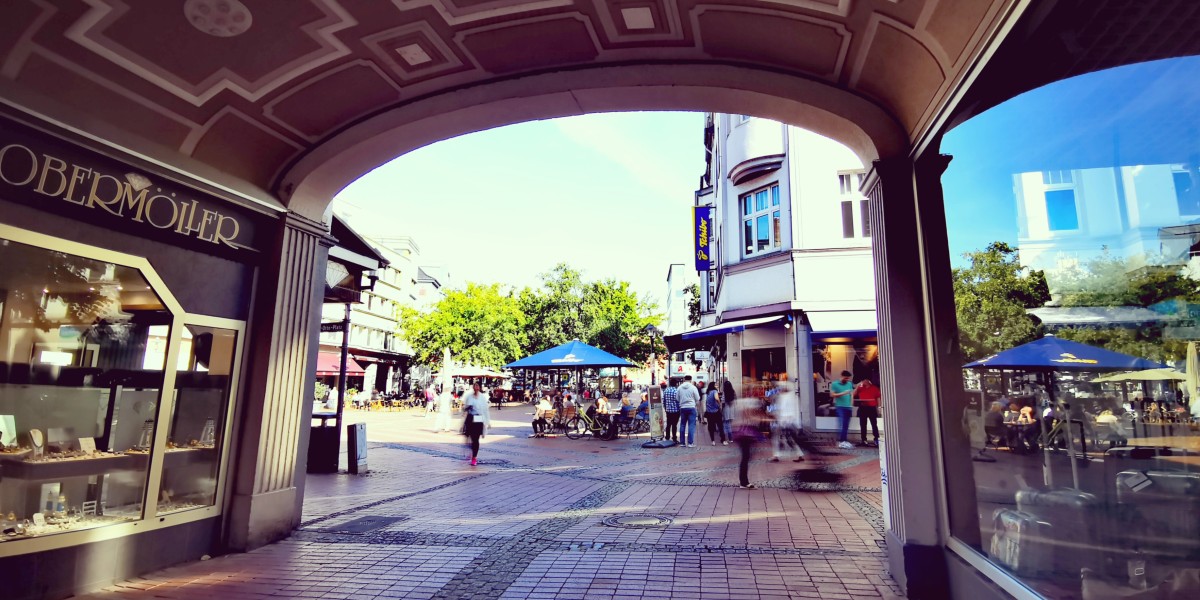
[(581, 424)]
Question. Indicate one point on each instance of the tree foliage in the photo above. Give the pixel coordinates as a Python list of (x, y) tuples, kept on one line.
[(481, 325), (991, 297), (485, 325), (693, 303), (1111, 281)]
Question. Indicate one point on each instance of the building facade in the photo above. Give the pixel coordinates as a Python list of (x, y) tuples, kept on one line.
[(790, 292)]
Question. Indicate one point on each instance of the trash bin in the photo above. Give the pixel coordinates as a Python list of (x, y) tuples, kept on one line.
[(324, 445)]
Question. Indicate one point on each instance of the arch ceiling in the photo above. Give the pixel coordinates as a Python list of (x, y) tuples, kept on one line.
[(245, 92)]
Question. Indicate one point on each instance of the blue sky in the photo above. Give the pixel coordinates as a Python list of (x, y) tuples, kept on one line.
[(610, 194)]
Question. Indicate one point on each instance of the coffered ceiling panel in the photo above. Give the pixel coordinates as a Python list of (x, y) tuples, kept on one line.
[(250, 87)]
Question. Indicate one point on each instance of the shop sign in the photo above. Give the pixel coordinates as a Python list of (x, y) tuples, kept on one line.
[(48, 174), (703, 236), (335, 327)]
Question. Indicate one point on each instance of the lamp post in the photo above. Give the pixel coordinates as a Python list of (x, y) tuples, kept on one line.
[(655, 333)]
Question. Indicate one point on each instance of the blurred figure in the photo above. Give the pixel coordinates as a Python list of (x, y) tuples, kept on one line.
[(748, 418), (786, 414), (445, 407), (476, 408), (728, 395)]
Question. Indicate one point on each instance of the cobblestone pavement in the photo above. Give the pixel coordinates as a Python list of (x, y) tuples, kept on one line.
[(530, 522)]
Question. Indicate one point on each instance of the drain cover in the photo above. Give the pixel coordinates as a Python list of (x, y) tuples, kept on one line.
[(365, 524), (638, 521)]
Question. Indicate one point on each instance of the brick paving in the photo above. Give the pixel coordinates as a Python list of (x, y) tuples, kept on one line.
[(529, 522)]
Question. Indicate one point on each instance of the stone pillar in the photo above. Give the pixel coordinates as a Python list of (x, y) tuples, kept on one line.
[(915, 548), (276, 404)]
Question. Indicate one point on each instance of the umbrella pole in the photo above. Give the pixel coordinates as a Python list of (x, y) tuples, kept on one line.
[(1047, 472), (1070, 437)]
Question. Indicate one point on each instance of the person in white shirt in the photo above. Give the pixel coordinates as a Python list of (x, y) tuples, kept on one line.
[(539, 416), (688, 397), (787, 423), (476, 405)]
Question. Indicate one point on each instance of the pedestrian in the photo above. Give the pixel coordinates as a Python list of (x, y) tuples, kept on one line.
[(540, 424), (477, 419), (712, 415), (670, 400), (842, 392), (430, 396), (787, 423), (867, 397), (689, 401), (748, 418), (728, 396), (445, 408)]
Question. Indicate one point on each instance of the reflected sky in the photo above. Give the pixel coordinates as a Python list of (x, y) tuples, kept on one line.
[(1133, 115)]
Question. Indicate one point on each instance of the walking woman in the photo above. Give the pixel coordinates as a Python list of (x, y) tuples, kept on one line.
[(476, 405), (748, 418), (728, 395), (712, 415)]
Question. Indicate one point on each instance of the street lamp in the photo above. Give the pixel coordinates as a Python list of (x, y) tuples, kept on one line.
[(654, 333)]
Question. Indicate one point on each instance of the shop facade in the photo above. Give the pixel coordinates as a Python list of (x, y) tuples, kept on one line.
[(126, 299)]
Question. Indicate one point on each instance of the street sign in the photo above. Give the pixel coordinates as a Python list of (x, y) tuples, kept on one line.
[(336, 327)]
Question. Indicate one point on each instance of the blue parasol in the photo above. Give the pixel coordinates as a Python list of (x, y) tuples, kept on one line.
[(1057, 354)]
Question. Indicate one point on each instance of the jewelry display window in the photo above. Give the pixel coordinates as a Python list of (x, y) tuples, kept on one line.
[(90, 446)]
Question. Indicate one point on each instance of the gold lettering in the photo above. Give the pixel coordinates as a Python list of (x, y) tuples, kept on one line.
[(187, 219), (78, 175), (226, 239), (210, 216), (95, 198), (52, 165), (149, 212), (135, 203), (33, 165)]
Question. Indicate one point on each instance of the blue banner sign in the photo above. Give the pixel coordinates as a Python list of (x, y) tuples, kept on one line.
[(703, 236)]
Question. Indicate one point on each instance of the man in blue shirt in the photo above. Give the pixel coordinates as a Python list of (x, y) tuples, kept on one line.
[(842, 392), (670, 398)]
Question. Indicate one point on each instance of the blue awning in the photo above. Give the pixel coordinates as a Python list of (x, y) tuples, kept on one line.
[(1060, 354), (731, 327)]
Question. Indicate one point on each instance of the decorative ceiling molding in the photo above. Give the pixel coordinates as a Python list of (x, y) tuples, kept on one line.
[(443, 59), (24, 45), (269, 109), (89, 32), (840, 8), (454, 15), (838, 29), (671, 27)]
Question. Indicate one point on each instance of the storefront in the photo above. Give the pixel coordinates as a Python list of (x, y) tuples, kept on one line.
[(124, 301)]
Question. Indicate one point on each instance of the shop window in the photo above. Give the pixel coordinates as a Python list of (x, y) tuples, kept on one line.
[(82, 353), (761, 221), (194, 440), (1070, 472)]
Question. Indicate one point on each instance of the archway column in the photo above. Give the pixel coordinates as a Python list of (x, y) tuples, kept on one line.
[(270, 460), (912, 502)]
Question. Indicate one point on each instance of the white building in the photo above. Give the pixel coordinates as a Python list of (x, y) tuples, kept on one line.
[(382, 360), (791, 291), (1069, 217)]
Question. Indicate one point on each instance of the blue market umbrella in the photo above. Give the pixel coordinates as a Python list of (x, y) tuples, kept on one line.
[(568, 356), (1057, 354)]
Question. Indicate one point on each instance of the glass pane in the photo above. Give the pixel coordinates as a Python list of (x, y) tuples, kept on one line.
[(202, 392), (764, 232), (78, 392), (748, 235), (774, 195), (864, 216), (847, 219), (775, 229), (746, 210), (1075, 470), (760, 200), (1060, 210)]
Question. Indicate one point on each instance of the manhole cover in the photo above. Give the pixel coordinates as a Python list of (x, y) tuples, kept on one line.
[(638, 521), (365, 524)]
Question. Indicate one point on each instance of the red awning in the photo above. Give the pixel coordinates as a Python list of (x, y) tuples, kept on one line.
[(329, 363)]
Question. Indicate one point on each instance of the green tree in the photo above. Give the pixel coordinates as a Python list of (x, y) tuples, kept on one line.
[(554, 312), (693, 304), (991, 297), (1110, 281), (481, 324)]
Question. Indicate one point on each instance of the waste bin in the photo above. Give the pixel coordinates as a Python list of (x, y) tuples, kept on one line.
[(324, 445)]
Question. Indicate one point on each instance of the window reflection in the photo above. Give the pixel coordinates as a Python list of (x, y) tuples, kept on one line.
[(1073, 211)]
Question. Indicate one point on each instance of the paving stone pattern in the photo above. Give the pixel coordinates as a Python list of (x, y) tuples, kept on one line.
[(528, 522)]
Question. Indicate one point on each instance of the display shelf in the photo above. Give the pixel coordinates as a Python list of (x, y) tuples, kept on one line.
[(178, 457), (72, 467)]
